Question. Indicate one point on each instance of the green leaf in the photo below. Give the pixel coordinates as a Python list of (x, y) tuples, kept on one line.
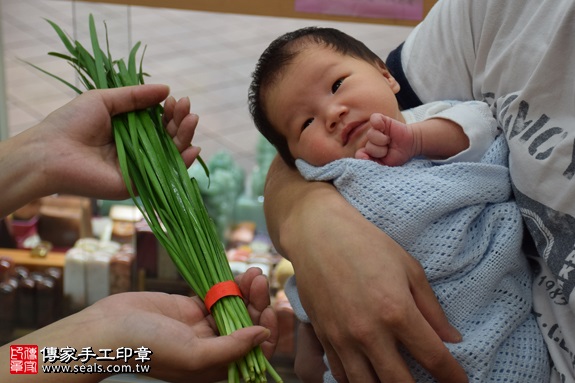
[(132, 64), (63, 37), (54, 76), (98, 57)]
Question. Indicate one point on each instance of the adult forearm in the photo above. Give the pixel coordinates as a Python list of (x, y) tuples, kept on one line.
[(22, 168), (290, 201), (303, 217)]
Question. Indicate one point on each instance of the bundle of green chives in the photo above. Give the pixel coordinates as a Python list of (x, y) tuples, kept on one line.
[(169, 200)]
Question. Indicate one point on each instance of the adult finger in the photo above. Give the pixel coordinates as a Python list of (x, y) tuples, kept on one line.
[(336, 367), (126, 99), (427, 303), (308, 364), (181, 110), (421, 327), (190, 154), (255, 289), (349, 364), (246, 280), (259, 293), (430, 352), (433, 329), (374, 359), (184, 132), (413, 331), (259, 297), (269, 320), (237, 344), (169, 106)]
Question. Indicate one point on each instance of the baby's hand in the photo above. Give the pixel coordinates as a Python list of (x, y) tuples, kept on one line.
[(389, 142)]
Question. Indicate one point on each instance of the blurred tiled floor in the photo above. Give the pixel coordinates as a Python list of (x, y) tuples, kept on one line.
[(206, 56)]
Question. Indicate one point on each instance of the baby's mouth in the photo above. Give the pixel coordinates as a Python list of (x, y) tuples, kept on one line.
[(350, 130)]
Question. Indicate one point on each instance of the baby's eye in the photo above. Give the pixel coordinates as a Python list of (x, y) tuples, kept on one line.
[(307, 123), (336, 85)]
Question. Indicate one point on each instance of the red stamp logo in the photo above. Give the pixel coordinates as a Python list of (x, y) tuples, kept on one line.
[(24, 359)]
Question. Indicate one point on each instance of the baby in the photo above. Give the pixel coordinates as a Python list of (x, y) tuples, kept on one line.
[(328, 104)]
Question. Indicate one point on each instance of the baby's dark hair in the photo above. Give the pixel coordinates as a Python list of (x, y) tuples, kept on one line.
[(278, 55)]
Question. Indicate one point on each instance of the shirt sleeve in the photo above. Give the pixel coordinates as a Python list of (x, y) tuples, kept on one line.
[(439, 56), (474, 117)]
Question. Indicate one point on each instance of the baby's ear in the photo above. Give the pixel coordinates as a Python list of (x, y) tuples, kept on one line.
[(393, 84)]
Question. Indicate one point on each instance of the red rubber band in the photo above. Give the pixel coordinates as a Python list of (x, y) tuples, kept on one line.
[(220, 290)]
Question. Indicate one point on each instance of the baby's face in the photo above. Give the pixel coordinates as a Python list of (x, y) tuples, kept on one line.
[(323, 101)]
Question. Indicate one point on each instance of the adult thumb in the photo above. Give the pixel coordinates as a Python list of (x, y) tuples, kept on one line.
[(229, 348), (251, 336), (129, 98)]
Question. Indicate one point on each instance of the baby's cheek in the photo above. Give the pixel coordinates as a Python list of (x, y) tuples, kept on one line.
[(322, 153)]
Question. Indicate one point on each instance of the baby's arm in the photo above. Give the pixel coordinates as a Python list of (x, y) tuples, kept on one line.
[(393, 143)]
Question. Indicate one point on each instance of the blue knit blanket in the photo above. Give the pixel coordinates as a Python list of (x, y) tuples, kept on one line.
[(460, 222)]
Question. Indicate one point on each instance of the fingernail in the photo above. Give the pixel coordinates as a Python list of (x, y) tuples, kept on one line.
[(262, 336), (456, 336)]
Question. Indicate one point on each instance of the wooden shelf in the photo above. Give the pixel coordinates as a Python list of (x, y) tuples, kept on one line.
[(23, 258)]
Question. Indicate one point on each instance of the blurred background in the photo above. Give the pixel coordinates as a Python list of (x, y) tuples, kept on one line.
[(208, 57)]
